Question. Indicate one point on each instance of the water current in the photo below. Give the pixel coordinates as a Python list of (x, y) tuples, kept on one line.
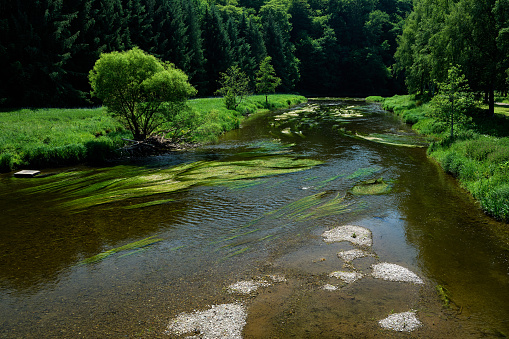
[(121, 251)]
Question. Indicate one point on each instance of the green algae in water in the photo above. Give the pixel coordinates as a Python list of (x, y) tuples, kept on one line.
[(134, 246), (335, 206), (391, 139), (149, 203), (364, 172), (443, 293), (83, 189), (372, 187)]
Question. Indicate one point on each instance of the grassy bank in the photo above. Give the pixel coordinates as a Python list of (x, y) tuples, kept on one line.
[(478, 155), (63, 137), (217, 119)]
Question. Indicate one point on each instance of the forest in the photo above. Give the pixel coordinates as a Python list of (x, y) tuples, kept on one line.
[(318, 47)]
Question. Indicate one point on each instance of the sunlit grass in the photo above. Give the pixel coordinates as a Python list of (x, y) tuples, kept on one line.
[(65, 137)]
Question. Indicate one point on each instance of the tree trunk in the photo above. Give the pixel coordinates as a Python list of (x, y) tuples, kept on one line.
[(452, 119), (491, 102)]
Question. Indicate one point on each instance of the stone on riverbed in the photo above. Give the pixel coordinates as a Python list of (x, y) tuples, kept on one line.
[(347, 277), (351, 255), (357, 235), (220, 321), (401, 322), (393, 272), (246, 287)]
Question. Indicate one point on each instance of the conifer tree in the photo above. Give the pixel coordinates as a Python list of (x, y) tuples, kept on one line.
[(266, 79), (217, 48)]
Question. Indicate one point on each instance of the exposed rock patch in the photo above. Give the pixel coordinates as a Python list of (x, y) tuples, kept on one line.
[(357, 235), (393, 272), (351, 255), (401, 322), (220, 321), (347, 277)]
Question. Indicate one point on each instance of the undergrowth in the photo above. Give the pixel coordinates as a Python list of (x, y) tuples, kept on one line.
[(45, 138)]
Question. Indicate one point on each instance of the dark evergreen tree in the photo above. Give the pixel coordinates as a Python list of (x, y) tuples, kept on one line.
[(217, 49), (280, 49), (195, 44)]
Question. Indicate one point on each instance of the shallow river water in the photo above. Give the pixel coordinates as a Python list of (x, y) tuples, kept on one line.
[(173, 232)]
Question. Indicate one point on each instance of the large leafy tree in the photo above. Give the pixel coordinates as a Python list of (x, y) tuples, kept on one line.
[(140, 90)]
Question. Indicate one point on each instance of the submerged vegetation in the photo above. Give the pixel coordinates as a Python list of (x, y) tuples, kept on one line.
[(64, 137), (82, 189), (133, 247), (477, 154)]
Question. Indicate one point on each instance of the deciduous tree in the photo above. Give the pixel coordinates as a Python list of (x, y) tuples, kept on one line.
[(142, 91), (234, 87)]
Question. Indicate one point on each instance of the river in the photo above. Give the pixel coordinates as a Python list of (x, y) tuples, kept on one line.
[(121, 251)]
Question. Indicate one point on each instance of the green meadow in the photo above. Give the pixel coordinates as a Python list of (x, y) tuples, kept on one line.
[(63, 137)]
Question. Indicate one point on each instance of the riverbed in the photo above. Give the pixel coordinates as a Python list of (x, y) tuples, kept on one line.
[(125, 250)]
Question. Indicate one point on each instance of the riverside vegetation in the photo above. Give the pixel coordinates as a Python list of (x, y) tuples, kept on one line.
[(478, 153), (64, 137)]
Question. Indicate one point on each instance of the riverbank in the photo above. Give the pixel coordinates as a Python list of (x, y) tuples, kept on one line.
[(478, 155), (64, 137)]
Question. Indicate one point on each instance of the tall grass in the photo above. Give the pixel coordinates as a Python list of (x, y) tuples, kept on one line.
[(56, 137), (478, 155), (63, 137)]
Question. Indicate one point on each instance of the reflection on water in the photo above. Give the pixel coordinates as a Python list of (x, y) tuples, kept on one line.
[(253, 205)]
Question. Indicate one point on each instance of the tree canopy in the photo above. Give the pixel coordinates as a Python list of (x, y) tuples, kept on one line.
[(139, 89), (330, 47), (266, 79), (469, 33)]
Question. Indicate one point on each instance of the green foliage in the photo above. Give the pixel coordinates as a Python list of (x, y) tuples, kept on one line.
[(453, 99), (468, 33), (234, 87), (139, 89), (266, 79), (374, 98)]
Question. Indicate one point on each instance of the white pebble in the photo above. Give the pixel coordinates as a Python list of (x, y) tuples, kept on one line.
[(393, 272), (401, 322), (348, 277), (220, 321), (353, 254), (357, 235)]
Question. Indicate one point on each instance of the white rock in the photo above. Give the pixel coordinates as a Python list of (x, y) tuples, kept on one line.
[(401, 322), (393, 272), (357, 235), (348, 277), (353, 254), (330, 287), (246, 287), (220, 321)]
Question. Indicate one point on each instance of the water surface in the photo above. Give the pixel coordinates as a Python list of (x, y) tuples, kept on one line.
[(229, 220)]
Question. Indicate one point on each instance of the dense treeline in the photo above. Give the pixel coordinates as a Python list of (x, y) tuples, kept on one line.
[(327, 47), (473, 34)]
